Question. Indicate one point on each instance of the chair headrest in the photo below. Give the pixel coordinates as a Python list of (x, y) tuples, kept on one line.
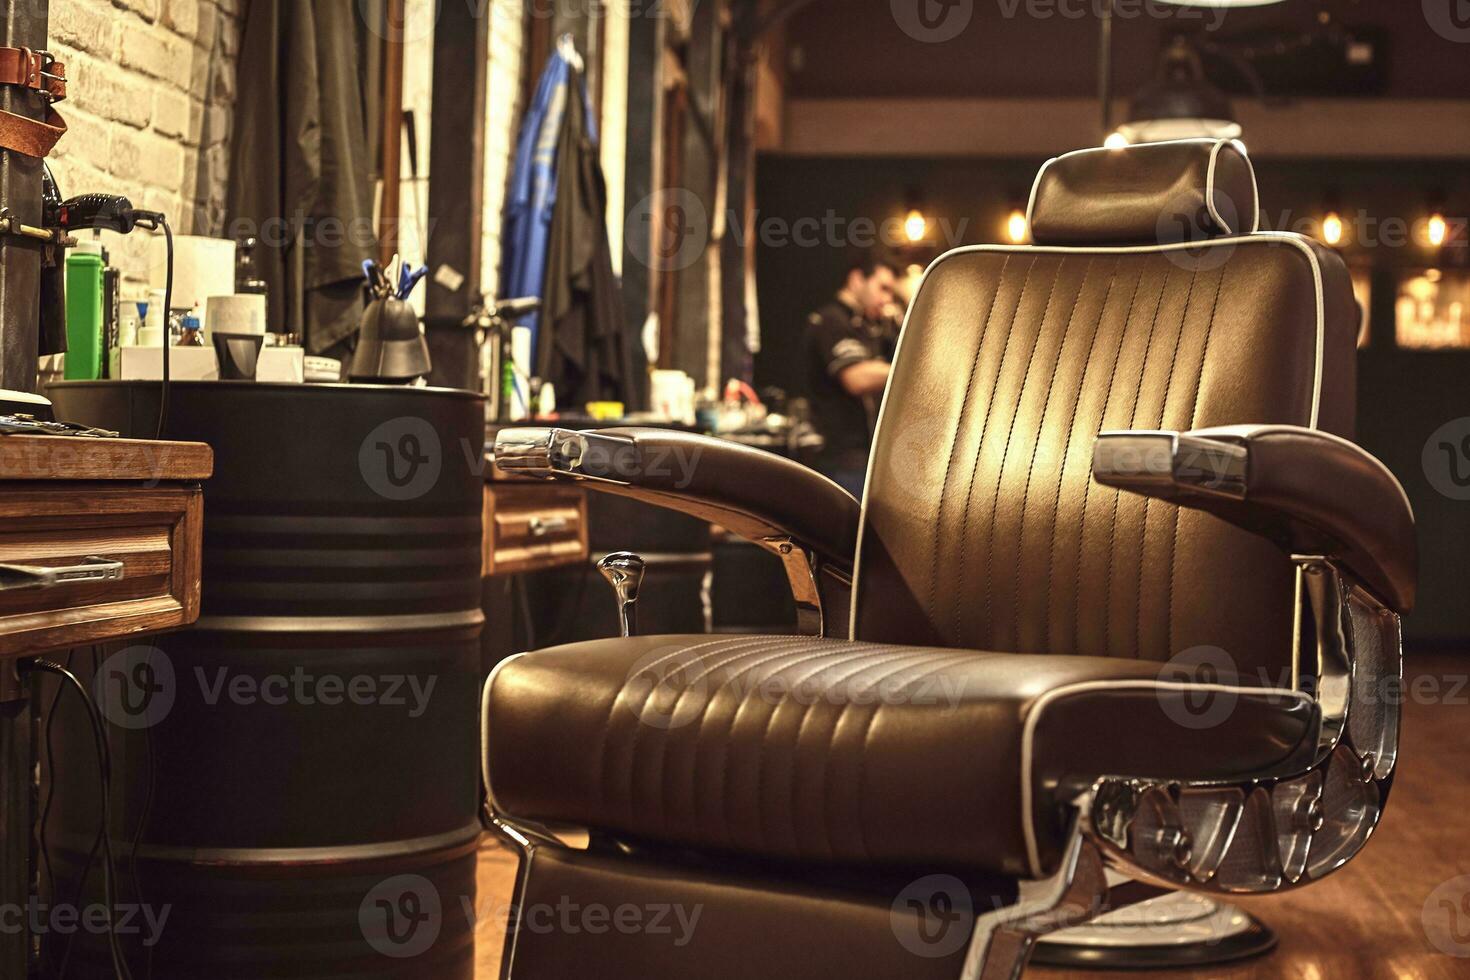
[(1151, 193)]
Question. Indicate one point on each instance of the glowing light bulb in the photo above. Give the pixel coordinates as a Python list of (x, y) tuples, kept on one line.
[(1115, 141), (1017, 228), (916, 226), (1439, 230), (1332, 228)]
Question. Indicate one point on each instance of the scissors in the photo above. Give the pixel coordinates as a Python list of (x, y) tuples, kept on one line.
[(380, 280), (409, 279), (377, 282)]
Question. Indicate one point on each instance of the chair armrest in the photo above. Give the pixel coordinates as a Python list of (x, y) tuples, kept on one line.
[(755, 494), (1309, 491)]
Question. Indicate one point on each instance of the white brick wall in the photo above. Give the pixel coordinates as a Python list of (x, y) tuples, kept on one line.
[(150, 105)]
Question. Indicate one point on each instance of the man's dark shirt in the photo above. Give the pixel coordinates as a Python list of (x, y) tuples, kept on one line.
[(838, 337)]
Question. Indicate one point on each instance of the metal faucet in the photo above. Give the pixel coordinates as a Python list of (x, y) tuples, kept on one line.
[(624, 572)]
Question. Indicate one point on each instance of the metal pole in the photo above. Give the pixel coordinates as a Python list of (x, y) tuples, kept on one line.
[(1105, 69), (23, 25), (388, 214), (457, 190), (643, 173)]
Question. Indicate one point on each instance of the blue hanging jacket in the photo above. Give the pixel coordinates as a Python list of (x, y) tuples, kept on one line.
[(531, 198)]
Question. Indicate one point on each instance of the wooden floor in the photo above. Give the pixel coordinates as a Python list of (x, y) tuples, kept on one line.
[(1367, 921)]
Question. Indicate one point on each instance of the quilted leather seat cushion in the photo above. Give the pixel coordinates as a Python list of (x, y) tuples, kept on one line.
[(828, 751)]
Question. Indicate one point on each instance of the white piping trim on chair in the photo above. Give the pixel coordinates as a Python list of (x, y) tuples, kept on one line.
[(1290, 238), (1210, 190), (485, 731), (857, 556), (1033, 718), (1210, 187)]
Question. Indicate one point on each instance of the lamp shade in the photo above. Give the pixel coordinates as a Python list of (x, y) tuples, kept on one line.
[(1180, 102)]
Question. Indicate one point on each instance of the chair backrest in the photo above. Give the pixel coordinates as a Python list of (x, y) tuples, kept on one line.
[(1141, 305)]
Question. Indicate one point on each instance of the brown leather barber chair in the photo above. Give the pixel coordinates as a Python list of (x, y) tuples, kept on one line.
[(1114, 620)]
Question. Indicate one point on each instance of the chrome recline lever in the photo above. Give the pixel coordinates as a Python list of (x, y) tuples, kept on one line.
[(1164, 462), (550, 454), (624, 572)]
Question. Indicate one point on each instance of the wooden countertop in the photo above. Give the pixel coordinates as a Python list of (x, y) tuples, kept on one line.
[(65, 459)]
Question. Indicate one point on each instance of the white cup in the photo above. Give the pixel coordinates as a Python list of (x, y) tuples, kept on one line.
[(245, 313)]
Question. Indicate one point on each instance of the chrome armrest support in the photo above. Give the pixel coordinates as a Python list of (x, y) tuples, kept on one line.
[(1270, 831), (748, 492), (1323, 655), (803, 569)]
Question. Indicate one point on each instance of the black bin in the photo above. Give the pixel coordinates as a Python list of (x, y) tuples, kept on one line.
[(300, 768)]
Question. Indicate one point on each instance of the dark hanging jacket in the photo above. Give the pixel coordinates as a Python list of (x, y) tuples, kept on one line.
[(585, 348), (300, 177)]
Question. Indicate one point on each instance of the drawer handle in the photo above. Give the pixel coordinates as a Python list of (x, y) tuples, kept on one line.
[(15, 577), (540, 527)]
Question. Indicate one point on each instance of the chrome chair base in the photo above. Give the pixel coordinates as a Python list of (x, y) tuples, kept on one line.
[(1176, 930)]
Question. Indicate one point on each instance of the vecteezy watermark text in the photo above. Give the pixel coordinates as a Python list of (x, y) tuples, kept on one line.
[(307, 689), (62, 919), (137, 688), (403, 917)]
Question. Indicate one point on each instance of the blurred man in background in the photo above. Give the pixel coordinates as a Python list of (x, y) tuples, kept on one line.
[(849, 351)]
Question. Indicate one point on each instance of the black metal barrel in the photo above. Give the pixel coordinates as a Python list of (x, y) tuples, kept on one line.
[(301, 766)]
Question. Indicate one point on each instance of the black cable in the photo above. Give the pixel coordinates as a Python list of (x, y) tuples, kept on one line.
[(79, 892), (76, 901), (168, 304), (108, 212), (51, 784), (104, 763)]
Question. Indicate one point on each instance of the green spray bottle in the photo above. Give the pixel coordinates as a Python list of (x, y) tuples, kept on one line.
[(85, 268)]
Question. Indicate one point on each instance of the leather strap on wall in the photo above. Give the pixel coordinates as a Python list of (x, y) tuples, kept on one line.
[(29, 136), (39, 72)]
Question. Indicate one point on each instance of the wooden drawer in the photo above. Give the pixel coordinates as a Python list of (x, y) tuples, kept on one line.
[(530, 526), (153, 532)]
